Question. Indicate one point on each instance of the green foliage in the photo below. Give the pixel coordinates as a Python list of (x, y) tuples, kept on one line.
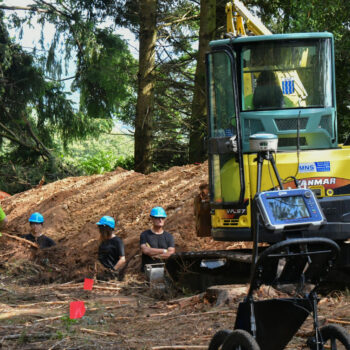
[(98, 163), (59, 335), (39, 120), (68, 322), (98, 155), (126, 163), (104, 161), (23, 339), (17, 177), (107, 75)]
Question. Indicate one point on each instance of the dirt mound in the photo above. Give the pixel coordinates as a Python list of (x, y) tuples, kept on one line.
[(71, 208)]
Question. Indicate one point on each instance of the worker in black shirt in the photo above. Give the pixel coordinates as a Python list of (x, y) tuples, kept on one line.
[(156, 244), (36, 221), (111, 249)]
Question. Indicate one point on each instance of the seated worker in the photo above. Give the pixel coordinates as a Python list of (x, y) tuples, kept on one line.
[(36, 221), (111, 249), (156, 244), (267, 94), (3, 219)]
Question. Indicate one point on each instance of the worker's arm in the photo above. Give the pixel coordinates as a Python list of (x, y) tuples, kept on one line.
[(169, 251), (120, 263), (157, 252), (152, 252)]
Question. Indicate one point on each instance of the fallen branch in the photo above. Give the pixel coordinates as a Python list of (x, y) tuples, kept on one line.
[(159, 315), (88, 309), (106, 288), (111, 307), (29, 312), (203, 314), (58, 343), (109, 334), (34, 335), (107, 282), (332, 320), (40, 302), (52, 286), (50, 318), (20, 239), (180, 347), (9, 253), (81, 285), (68, 286)]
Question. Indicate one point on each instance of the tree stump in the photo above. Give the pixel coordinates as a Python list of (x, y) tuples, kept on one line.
[(224, 294)]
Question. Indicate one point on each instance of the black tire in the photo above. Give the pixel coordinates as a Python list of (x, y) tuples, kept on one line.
[(336, 337), (218, 339), (240, 340)]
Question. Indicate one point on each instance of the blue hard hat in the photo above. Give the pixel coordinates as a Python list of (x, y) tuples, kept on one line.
[(158, 212), (36, 218), (106, 221)]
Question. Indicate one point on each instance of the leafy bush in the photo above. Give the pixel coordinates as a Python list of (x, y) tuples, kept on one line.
[(98, 163), (126, 163)]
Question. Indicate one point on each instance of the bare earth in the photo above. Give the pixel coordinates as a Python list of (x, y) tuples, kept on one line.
[(36, 287)]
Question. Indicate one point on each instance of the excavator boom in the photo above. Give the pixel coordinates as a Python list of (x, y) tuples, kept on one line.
[(237, 15)]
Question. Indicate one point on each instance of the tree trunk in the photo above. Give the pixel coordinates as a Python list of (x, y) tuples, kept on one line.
[(145, 98), (199, 110)]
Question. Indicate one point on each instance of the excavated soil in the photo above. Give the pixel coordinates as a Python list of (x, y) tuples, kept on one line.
[(71, 208)]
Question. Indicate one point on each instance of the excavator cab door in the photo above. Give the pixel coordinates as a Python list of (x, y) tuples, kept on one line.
[(225, 156)]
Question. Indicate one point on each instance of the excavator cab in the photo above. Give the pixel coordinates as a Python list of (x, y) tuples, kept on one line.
[(278, 84)]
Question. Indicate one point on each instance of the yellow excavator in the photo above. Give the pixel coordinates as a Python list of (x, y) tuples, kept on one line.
[(279, 84)]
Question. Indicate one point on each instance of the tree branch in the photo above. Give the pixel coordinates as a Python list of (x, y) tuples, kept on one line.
[(23, 8), (184, 19), (36, 139)]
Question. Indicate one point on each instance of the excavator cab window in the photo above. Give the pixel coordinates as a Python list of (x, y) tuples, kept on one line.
[(222, 102), (290, 74), (226, 172)]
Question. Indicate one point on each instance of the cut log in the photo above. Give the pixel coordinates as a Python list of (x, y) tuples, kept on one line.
[(188, 300)]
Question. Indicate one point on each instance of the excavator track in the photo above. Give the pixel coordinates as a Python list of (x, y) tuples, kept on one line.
[(196, 271)]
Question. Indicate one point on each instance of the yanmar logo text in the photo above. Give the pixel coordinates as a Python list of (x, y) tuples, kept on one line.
[(318, 182)]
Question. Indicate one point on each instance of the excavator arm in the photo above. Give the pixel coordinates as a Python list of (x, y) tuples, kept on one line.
[(238, 16)]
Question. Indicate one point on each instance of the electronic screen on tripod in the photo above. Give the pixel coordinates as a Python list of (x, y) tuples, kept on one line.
[(296, 209)]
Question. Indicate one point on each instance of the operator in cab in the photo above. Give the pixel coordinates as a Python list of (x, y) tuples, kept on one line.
[(111, 249), (36, 221), (156, 244)]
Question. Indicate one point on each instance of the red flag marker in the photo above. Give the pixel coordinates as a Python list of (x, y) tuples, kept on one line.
[(76, 309), (88, 283)]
